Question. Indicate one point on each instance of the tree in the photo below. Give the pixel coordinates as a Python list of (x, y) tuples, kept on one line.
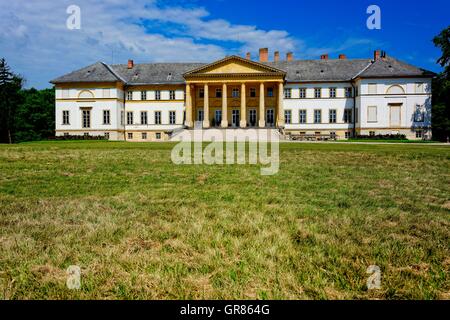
[(441, 89), (35, 117), (10, 98)]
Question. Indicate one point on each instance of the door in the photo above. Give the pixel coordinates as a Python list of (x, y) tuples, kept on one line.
[(200, 115), (235, 118), (252, 118), (395, 115), (270, 118), (218, 118)]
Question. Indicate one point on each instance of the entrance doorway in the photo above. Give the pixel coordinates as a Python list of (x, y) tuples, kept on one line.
[(235, 115), (218, 118), (252, 118), (270, 118)]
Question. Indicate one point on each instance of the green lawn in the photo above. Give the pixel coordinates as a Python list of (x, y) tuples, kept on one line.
[(142, 228)]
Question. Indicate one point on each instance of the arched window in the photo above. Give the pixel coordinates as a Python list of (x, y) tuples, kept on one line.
[(395, 89), (86, 94)]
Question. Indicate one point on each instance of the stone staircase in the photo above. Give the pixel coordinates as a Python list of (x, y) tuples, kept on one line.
[(228, 135)]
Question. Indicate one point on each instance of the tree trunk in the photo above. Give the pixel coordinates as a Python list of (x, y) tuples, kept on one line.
[(9, 136)]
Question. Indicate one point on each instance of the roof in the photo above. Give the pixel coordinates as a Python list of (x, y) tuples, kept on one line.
[(321, 70), (296, 71), (155, 73), (97, 72), (391, 67)]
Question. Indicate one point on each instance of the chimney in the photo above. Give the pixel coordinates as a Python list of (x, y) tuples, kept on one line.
[(324, 57), (289, 56), (377, 55), (342, 57), (248, 56), (130, 64), (276, 56), (263, 55)]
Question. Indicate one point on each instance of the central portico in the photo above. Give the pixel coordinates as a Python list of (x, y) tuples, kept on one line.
[(235, 92)]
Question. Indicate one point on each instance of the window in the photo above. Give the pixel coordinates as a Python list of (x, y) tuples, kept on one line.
[(332, 92), (106, 135), (172, 117), (332, 116), (288, 116), (66, 134), (333, 135), (106, 117), (144, 135), (218, 93), (86, 118), (253, 92), (419, 114), (317, 93), (129, 95), (372, 88), (420, 87), (106, 93), (143, 95), (157, 117), (347, 135), (270, 92), (302, 116), (129, 117), (348, 92), (157, 95), (158, 135), (65, 118), (372, 114), (122, 118), (372, 133), (235, 93), (419, 134), (348, 115), (287, 93), (172, 94), (317, 116), (130, 135), (144, 118), (302, 93), (86, 134), (201, 93)]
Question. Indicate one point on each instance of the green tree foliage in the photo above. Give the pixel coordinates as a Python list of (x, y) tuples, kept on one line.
[(10, 99), (441, 89), (35, 117)]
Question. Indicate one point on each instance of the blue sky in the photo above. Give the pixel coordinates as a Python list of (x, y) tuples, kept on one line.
[(37, 44)]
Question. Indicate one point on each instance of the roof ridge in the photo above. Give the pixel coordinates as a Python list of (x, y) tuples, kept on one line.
[(117, 75)]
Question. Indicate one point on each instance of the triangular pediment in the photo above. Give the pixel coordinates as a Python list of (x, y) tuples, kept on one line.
[(234, 65)]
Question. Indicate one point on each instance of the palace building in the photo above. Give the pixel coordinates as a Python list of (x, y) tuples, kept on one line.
[(336, 97)]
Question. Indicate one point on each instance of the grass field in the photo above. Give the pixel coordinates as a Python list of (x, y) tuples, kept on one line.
[(142, 228)]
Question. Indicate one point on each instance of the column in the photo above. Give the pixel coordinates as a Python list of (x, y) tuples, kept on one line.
[(262, 121), (188, 122), (224, 123), (281, 120), (243, 122), (206, 107)]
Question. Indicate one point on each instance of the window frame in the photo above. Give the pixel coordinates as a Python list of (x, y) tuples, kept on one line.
[(130, 118), (288, 116), (143, 95), (319, 112), (86, 114), (302, 93), (144, 118), (334, 113), (129, 95), (300, 116), (106, 117), (317, 93), (174, 118), (158, 95), (333, 92), (368, 114), (64, 122), (172, 95), (235, 93), (158, 117), (287, 93)]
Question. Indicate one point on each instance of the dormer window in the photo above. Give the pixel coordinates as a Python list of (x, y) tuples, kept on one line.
[(169, 76)]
